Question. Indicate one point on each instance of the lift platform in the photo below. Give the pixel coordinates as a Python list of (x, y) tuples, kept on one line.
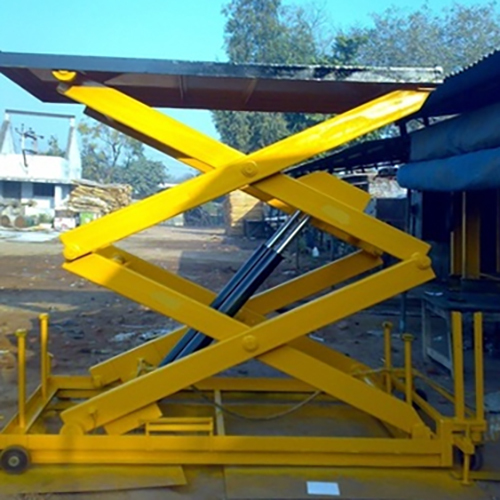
[(146, 407)]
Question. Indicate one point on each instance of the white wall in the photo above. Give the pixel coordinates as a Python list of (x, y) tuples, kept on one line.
[(38, 167)]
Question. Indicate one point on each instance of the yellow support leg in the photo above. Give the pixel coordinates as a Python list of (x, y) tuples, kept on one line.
[(44, 354), (21, 382), (458, 365), (478, 365), (471, 236)]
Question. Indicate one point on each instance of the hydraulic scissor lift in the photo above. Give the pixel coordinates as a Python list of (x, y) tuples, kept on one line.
[(123, 412)]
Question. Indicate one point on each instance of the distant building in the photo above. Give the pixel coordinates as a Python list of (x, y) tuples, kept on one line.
[(37, 182)]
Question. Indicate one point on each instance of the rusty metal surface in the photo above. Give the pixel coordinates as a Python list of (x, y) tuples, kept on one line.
[(208, 85)]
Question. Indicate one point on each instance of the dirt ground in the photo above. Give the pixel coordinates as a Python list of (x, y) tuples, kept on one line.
[(90, 324)]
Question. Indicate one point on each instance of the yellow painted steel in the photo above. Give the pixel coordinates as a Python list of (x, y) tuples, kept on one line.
[(458, 364), (124, 366), (471, 236), (235, 174), (231, 351), (180, 425), (408, 339), (251, 450), (128, 393), (478, 365), (21, 374), (132, 420), (387, 326), (44, 353), (219, 415)]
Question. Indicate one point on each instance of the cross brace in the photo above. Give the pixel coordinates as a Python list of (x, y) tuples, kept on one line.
[(278, 341)]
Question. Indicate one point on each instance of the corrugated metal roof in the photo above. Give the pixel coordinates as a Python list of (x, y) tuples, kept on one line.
[(473, 87), (364, 154), (203, 85)]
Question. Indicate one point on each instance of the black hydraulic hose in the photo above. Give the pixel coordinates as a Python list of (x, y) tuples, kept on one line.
[(218, 301), (241, 286), (238, 298), (242, 272)]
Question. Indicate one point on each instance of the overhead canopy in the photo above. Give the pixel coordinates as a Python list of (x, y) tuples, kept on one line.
[(205, 85), (472, 88)]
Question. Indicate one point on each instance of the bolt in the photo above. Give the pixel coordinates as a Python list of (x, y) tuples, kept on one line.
[(64, 76), (250, 343), (423, 261), (249, 169)]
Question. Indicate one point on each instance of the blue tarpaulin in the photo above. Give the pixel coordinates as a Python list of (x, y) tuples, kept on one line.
[(472, 171)]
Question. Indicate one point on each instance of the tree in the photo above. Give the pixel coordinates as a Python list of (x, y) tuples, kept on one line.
[(452, 38), (109, 156), (144, 175), (53, 148), (263, 31)]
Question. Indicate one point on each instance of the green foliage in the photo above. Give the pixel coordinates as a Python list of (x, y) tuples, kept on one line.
[(53, 148), (109, 156), (143, 175), (346, 48), (263, 31), (451, 38)]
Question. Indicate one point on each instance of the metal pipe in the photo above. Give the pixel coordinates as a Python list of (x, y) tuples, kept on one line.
[(458, 364), (44, 354), (478, 364), (21, 382), (277, 235), (387, 325), (408, 339), (293, 233), (233, 304), (228, 289)]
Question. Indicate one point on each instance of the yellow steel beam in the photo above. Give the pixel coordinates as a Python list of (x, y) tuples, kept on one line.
[(257, 450), (234, 174), (342, 216), (313, 282), (458, 364), (158, 297), (319, 180), (479, 364), (124, 366), (471, 235), (186, 141), (239, 343)]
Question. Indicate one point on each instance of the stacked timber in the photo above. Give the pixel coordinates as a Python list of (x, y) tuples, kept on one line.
[(89, 196), (238, 208)]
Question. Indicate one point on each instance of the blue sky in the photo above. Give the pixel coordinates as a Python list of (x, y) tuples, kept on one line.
[(168, 29)]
